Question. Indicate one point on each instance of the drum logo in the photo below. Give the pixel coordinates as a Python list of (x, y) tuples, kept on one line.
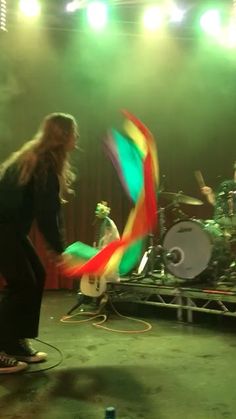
[(184, 230)]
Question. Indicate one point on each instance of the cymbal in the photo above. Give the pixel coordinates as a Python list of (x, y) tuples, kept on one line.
[(180, 198)]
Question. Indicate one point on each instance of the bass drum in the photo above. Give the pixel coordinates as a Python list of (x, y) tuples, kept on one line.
[(192, 247)]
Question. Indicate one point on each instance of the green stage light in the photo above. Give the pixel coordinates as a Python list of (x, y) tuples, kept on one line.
[(210, 22), (176, 14), (30, 8), (231, 41), (229, 36), (97, 14), (71, 7), (75, 5), (152, 18)]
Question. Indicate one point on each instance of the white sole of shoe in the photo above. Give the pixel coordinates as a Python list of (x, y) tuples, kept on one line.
[(13, 370)]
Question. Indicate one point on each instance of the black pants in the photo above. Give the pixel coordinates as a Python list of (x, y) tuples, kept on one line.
[(25, 276)]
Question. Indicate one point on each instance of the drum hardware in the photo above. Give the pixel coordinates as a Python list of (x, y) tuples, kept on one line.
[(178, 213), (226, 211), (147, 263), (229, 275), (153, 255), (227, 224), (174, 256), (215, 271), (157, 256), (162, 221), (193, 248), (230, 203)]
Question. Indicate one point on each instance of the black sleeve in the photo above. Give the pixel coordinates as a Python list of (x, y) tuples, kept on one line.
[(48, 211)]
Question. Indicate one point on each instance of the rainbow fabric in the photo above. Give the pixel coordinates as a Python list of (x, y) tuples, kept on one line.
[(134, 155)]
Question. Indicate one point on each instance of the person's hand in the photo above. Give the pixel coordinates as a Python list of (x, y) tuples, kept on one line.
[(54, 257), (62, 260), (66, 259), (209, 194), (206, 190)]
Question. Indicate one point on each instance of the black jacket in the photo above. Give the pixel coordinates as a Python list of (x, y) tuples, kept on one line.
[(38, 199)]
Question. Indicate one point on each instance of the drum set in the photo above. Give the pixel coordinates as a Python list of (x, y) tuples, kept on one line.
[(194, 249)]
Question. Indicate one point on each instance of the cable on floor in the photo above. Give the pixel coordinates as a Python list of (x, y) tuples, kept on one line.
[(46, 368), (94, 315)]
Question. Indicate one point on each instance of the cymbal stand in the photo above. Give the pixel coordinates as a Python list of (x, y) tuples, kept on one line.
[(157, 253), (229, 274), (176, 210), (153, 252), (147, 262)]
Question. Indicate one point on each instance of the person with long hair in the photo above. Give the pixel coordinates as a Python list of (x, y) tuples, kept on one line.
[(33, 184)]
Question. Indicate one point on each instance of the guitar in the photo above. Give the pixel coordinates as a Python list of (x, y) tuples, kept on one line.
[(93, 285)]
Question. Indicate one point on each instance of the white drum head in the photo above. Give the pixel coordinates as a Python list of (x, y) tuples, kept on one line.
[(188, 249)]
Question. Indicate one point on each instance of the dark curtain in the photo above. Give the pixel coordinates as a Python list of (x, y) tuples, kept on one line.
[(183, 90)]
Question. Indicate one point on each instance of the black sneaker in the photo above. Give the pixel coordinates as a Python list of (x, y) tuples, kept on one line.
[(9, 364), (22, 350)]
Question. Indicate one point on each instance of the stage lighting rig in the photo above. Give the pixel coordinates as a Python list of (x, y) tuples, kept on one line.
[(75, 5), (3, 15), (30, 8)]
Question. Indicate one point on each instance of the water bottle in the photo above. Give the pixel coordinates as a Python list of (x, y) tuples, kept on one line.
[(110, 413)]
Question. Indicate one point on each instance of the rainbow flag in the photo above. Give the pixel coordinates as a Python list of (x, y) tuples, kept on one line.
[(134, 155)]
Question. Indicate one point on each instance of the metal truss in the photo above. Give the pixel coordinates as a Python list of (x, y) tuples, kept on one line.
[(182, 299)]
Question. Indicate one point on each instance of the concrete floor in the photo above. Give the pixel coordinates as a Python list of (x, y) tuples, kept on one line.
[(173, 371)]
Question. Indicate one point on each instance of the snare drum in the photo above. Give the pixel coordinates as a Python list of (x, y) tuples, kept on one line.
[(192, 247)]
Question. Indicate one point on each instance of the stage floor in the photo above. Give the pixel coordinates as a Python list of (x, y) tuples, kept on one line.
[(174, 370)]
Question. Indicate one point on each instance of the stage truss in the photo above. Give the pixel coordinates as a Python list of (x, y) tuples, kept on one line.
[(186, 300)]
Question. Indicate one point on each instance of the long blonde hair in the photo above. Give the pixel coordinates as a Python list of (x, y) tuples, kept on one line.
[(49, 146)]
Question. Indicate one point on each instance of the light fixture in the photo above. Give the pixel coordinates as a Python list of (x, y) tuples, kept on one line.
[(97, 14), (210, 22), (3, 15), (30, 8), (152, 18)]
